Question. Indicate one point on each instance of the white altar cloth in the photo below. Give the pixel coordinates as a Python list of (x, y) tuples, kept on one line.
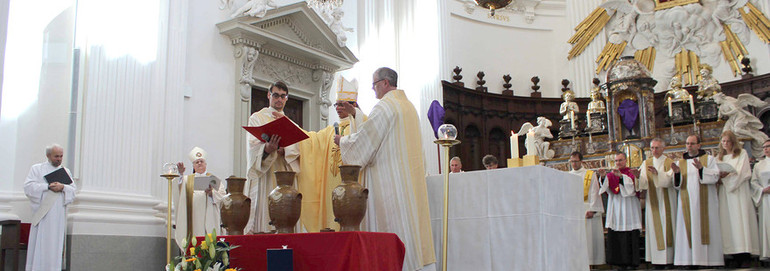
[(528, 218)]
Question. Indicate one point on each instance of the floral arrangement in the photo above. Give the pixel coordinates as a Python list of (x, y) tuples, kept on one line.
[(210, 255)]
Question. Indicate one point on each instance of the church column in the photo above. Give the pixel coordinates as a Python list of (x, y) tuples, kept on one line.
[(246, 54), (130, 124), (583, 67)]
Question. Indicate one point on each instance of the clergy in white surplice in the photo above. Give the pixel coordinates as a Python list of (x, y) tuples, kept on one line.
[(265, 158), (656, 178), (698, 237), (49, 206), (737, 215), (594, 209), (389, 147), (197, 211), (624, 214), (760, 186)]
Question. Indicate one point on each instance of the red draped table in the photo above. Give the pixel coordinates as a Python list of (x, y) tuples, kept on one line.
[(320, 251)]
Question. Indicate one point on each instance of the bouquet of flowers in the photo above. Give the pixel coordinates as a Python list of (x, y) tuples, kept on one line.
[(210, 255)]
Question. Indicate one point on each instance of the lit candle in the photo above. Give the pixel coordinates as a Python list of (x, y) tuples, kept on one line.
[(670, 113), (588, 120), (514, 145), (692, 106)]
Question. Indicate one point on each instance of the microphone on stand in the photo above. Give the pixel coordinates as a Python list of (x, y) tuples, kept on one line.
[(336, 128)]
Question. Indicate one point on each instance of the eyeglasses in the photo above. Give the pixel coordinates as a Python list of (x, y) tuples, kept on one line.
[(375, 82), (282, 96)]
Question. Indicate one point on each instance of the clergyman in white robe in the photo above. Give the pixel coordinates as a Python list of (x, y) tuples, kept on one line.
[(594, 228), (760, 182), (46, 238), (660, 209), (690, 244), (261, 169), (389, 148), (737, 215), (205, 210)]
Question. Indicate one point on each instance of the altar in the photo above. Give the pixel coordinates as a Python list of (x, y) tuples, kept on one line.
[(527, 218)]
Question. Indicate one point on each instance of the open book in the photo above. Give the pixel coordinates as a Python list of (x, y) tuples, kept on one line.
[(204, 182), (283, 127)]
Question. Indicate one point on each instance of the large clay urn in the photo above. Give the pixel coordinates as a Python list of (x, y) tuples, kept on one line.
[(235, 206), (349, 199), (284, 203)]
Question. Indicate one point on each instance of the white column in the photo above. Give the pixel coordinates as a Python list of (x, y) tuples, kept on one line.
[(583, 67), (130, 124)]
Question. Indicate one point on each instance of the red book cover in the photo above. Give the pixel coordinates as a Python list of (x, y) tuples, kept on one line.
[(283, 127)]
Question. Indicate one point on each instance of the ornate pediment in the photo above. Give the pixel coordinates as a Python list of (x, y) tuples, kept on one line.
[(294, 33)]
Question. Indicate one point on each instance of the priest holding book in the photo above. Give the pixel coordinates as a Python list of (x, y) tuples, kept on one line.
[(197, 208), (266, 157), (50, 189)]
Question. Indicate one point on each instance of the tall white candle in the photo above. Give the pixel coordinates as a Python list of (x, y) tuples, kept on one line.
[(692, 106), (670, 113), (588, 120), (514, 145), (572, 119)]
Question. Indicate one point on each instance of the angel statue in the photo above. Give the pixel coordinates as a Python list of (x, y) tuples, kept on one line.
[(255, 8), (742, 122), (708, 86), (338, 28), (535, 141)]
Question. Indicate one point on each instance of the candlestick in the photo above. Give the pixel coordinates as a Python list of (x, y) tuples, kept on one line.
[(670, 113)]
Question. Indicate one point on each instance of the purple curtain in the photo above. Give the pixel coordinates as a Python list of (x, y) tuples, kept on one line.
[(629, 113), (436, 116)]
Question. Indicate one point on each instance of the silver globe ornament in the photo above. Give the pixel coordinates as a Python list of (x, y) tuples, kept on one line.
[(447, 131)]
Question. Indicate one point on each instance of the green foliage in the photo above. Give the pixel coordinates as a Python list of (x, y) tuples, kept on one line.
[(210, 255)]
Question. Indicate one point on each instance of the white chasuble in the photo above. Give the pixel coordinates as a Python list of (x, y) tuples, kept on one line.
[(261, 172), (760, 180), (736, 210), (46, 239), (389, 147), (698, 237), (660, 210), (198, 215), (594, 228)]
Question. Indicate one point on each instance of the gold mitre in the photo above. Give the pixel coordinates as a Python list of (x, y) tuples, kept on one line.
[(347, 90), (197, 153)]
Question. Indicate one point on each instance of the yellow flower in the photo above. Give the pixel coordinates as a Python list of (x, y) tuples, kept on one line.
[(192, 251), (197, 270), (204, 245), (210, 236), (190, 259), (231, 269)]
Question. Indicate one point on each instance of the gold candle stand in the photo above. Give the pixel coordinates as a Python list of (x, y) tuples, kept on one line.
[(445, 144), (170, 178)]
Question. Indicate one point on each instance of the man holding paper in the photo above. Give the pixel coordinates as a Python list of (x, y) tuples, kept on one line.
[(197, 209), (49, 198), (319, 167), (264, 158)]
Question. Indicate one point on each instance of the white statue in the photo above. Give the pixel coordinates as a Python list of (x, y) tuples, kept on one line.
[(569, 108), (742, 122), (255, 8), (338, 28), (536, 135)]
